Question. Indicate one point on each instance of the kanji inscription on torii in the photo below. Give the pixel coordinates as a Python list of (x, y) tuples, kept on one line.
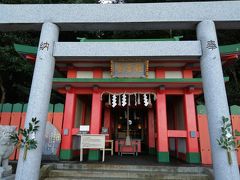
[(44, 45), (129, 69), (211, 45)]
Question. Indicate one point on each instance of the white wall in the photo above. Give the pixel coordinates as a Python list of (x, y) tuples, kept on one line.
[(173, 74), (84, 74)]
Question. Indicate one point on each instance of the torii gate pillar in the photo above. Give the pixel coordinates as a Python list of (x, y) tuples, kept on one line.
[(39, 100), (215, 99)]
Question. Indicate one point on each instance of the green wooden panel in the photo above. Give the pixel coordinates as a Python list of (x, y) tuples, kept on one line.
[(163, 157), (17, 107), (66, 154), (201, 109), (25, 49), (50, 108), (227, 49), (1, 105), (193, 157), (93, 155), (7, 107), (25, 107), (235, 110), (58, 107)]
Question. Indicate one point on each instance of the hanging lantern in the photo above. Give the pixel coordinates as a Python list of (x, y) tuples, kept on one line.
[(119, 126)]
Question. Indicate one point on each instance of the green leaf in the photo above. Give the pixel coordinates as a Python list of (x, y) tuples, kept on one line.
[(224, 119), (30, 127), (34, 119)]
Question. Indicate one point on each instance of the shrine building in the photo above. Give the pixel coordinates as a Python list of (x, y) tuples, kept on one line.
[(141, 92), (152, 100)]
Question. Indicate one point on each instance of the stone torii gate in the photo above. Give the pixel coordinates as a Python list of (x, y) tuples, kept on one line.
[(202, 16)]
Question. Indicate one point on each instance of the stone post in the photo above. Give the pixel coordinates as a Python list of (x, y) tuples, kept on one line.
[(39, 100), (215, 99)]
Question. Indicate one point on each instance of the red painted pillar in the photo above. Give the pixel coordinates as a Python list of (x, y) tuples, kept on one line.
[(72, 73), (187, 73), (68, 120), (193, 155), (68, 123), (159, 73), (151, 131), (162, 137), (107, 121), (95, 124), (97, 73)]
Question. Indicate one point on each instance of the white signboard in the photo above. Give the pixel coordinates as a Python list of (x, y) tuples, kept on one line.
[(92, 141), (84, 128)]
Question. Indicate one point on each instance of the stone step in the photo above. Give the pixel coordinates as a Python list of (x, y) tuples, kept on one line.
[(76, 174), (167, 169), (86, 178)]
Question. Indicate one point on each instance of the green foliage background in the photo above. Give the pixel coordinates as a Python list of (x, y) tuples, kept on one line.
[(16, 73)]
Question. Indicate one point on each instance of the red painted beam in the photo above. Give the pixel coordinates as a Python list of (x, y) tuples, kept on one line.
[(128, 90), (177, 133)]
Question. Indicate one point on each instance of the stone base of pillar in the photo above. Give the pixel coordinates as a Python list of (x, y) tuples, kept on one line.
[(193, 157), (163, 157), (94, 155), (66, 154), (11, 177)]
